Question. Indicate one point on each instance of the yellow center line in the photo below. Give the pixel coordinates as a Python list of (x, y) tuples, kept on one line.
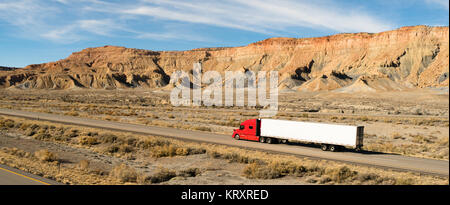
[(24, 176)]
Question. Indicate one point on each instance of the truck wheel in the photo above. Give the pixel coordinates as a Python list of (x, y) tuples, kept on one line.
[(237, 137), (333, 148), (269, 140), (262, 139), (358, 149), (284, 141), (324, 147)]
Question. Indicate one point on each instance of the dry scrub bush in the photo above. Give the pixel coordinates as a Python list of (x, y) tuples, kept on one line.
[(46, 156), (258, 171), (84, 164), (16, 152), (173, 150), (162, 175), (340, 174), (123, 173), (189, 172), (88, 140)]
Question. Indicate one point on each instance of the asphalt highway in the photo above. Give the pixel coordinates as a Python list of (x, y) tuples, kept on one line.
[(12, 176)]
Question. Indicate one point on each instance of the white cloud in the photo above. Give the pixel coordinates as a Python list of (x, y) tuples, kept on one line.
[(72, 32), (264, 16), (65, 35), (442, 3)]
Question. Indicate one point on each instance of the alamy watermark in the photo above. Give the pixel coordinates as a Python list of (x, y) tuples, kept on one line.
[(207, 89)]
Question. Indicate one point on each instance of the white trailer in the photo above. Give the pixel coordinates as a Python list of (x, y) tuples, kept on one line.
[(329, 136)]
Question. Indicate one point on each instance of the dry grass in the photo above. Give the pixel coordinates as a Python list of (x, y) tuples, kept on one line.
[(46, 156), (84, 164), (162, 175), (26, 161), (124, 173)]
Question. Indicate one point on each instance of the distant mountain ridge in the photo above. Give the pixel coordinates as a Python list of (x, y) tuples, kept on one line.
[(4, 68), (404, 58)]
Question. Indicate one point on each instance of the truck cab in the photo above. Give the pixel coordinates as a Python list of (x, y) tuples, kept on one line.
[(248, 130)]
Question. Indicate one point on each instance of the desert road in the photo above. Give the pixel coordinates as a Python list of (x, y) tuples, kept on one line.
[(380, 160), (12, 176)]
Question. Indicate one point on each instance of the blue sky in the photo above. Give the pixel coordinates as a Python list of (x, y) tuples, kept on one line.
[(37, 31)]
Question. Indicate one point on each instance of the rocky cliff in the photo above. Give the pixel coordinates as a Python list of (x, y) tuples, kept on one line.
[(393, 60)]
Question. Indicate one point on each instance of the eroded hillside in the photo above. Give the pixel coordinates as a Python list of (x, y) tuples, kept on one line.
[(394, 60)]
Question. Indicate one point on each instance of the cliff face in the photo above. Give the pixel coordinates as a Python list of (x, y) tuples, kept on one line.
[(394, 60)]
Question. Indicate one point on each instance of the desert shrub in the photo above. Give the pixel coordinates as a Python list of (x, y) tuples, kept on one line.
[(24, 126), (367, 177), (16, 152), (87, 140), (340, 174), (108, 138), (163, 151), (34, 126), (396, 135), (42, 136), (123, 148), (45, 155), (123, 173), (173, 150), (202, 128), (324, 179), (190, 172), (162, 175), (71, 133), (83, 164), (182, 151), (131, 141), (148, 143), (143, 179), (288, 168), (8, 123), (404, 181), (119, 148), (112, 148), (72, 113), (443, 141), (420, 139), (232, 156), (364, 118), (258, 171), (30, 132)]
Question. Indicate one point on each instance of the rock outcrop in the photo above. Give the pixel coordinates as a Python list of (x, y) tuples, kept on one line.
[(393, 60)]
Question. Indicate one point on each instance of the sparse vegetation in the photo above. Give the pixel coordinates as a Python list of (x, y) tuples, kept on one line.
[(162, 175), (155, 110), (46, 156), (124, 173)]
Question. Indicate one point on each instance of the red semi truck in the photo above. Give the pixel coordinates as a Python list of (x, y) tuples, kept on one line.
[(331, 137)]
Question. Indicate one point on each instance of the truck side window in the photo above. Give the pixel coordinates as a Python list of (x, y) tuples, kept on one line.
[(250, 127), (241, 127)]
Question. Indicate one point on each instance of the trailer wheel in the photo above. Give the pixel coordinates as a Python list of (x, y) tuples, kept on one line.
[(262, 139), (324, 147), (358, 149), (269, 140), (284, 141), (333, 148), (237, 137)]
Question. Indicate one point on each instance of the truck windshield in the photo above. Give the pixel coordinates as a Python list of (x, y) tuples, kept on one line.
[(241, 127)]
